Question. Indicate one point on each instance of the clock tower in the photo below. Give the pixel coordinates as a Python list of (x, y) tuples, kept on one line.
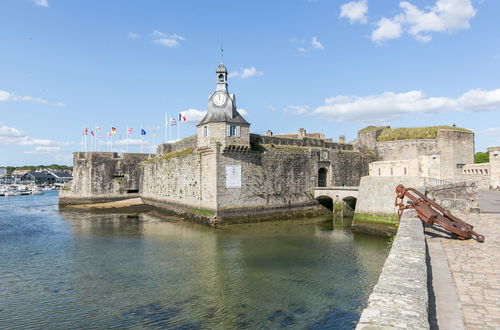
[(223, 126)]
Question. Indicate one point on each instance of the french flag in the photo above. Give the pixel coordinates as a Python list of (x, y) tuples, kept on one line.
[(182, 117)]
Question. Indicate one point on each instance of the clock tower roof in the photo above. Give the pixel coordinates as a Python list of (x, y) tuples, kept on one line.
[(221, 104)]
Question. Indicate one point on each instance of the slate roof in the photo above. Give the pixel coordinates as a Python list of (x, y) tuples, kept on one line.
[(40, 175), (62, 175)]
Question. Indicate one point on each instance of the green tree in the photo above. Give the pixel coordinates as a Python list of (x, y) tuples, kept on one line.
[(481, 157)]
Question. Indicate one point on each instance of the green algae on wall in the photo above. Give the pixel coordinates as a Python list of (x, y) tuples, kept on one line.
[(376, 224)]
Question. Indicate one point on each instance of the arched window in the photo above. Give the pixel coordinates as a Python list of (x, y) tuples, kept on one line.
[(221, 78), (322, 172)]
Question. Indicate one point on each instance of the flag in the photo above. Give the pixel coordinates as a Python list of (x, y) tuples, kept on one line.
[(130, 131), (153, 133), (143, 132), (85, 131), (113, 130), (92, 133), (109, 133), (173, 122), (98, 129), (182, 117)]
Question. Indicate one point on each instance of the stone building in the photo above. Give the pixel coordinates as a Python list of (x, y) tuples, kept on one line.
[(224, 174), (486, 175)]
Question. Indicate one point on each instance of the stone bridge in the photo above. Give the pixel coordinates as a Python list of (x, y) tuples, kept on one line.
[(327, 196), (334, 193)]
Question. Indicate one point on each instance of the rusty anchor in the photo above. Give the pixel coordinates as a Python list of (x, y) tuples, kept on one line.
[(432, 213)]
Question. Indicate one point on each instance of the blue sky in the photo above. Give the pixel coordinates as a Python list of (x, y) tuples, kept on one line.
[(328, 66)]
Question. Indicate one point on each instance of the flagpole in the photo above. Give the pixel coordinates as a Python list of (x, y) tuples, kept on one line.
[(170, 136), (111, 144), (142, 140), (127, 138), (85, 138), (83, 145), (179, 130), (166, 126), (154, 134)]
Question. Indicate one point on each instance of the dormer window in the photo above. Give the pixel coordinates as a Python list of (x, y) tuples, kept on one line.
[(221, 77)]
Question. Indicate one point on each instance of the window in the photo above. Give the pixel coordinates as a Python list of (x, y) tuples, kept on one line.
[(205, 131), (391, 171), (233, 130), (379, 172), (221, 78), (405, 170), (460, 165)]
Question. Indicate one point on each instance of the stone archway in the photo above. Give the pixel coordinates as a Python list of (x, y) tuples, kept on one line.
[(326, 201), (322, 175), (349, 206)]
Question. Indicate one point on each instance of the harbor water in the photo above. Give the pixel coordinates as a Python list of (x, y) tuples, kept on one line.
[(67, 269)]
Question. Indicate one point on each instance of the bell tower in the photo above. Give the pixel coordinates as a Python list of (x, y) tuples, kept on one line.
[(223, 126)]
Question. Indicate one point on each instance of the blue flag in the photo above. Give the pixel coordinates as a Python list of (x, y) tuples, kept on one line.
[(143, 132)]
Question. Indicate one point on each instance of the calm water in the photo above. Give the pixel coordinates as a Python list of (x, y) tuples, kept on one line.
[(72, 270)]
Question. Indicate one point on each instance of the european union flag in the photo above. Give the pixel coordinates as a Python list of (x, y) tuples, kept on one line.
[(143, 132)]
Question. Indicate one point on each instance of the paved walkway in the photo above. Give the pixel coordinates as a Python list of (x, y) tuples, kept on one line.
[(475, 269)]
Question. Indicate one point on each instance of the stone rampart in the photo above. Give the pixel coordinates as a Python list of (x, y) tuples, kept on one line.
[(257, 139), (461, 197), (406, 149), (164, 148), (494, 153), (400, 298), (478, 173), (103, 177)]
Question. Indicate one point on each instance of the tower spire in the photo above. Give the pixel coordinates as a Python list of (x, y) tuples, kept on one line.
[(222, 49)]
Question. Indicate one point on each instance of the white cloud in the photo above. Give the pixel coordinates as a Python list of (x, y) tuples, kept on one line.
[(130, 142), (171, 43), (11, 135), (195, 116), (355, 11), (387, 29), (493, 131), (10, 132), (444, 16), (390, 105), (6, 96), (132, 35), (167, 40), (43, 150), (245, 73), (316, 44), (296, 109), (41, 3)]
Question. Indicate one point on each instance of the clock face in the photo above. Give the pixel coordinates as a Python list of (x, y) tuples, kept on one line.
[(219, 99)]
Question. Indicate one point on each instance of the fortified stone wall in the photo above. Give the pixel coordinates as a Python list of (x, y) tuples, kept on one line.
[(405, 149), (103, 177), (478, 173), (189, 142), (176, 181), (494, 167), (395, 168), (368, 138), (347, 167), (257, 139), (456, 148), (456, 197), (273, 181)]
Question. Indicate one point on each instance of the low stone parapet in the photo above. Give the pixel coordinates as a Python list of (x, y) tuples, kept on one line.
[(400, 298)]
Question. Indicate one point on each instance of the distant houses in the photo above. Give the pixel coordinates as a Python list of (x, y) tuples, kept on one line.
[(45, 178)]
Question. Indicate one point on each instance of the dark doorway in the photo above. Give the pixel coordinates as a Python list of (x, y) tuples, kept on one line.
[(322, 177)]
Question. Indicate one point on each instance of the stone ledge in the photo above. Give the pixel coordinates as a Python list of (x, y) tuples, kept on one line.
[(400, 299)]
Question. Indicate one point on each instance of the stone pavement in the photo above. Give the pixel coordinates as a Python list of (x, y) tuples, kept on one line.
[(475, 269)]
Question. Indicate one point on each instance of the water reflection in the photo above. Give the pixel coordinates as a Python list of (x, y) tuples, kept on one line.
[(143, 270)]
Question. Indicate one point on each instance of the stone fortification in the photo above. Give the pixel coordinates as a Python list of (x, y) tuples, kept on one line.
[(478, 173), (277, 181), (461, 197), (442, 157), (494, 167), (400, 299), (189, 142), (103, 177), (257, 139)]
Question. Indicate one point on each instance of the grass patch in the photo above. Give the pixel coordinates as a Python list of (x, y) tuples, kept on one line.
[(376, 218), (66, 188), (206, 213), (372, 128), (413, 133), (170, 155)]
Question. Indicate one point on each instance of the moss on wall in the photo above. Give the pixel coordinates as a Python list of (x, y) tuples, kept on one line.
[(413, 133)]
